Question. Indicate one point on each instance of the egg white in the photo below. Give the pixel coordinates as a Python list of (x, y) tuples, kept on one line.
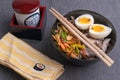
[(87, 25), (100, 35)]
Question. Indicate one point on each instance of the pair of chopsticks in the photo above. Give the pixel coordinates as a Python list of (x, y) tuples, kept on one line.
[(99, 53)]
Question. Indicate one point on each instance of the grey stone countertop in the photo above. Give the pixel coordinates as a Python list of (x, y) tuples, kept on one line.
[(98, 71)]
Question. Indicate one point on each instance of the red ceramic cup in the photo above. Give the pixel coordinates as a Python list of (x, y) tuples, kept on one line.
[(27, 12)]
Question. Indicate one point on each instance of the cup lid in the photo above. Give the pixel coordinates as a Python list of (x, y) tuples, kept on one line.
[(25, 6)]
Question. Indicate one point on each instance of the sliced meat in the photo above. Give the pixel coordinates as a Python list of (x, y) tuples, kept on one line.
[(105, 44)]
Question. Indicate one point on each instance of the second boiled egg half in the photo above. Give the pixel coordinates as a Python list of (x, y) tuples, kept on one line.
[(83, 22), (99, 31)]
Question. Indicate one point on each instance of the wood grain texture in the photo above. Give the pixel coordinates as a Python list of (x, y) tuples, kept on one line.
[(98, 71)]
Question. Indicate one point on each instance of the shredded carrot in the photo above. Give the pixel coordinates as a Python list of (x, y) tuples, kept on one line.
[(62, 46), (84, 53), (73, 56)]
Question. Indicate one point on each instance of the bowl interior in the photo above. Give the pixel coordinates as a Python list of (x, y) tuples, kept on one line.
[(98, 19)]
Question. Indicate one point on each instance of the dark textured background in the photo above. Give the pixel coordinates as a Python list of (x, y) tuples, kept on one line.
[(98, 71)]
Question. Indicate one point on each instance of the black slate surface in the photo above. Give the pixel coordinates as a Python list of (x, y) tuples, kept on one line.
[(98, 71)]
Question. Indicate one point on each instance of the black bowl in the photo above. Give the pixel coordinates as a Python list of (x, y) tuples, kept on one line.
[(98, 19)]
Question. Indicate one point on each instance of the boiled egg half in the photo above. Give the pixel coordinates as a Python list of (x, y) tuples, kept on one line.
[(99, 31), (83, 22)]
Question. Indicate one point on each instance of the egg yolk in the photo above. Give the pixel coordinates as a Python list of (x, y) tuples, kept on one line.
[(98, 28), (84, 20)]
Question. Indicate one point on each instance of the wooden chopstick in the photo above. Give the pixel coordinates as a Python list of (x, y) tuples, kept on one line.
[(75, 32), (83, 36)]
